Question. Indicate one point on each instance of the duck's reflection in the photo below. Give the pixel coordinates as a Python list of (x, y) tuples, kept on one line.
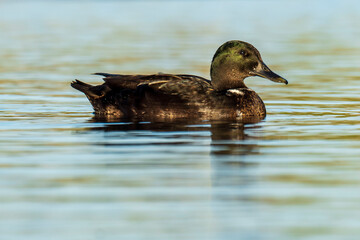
[(228, 138), (230, 144)]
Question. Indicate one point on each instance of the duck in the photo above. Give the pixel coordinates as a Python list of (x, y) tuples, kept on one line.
[(172, 96)]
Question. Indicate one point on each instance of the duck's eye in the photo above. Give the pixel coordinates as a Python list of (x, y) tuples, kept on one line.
[(243, 53)]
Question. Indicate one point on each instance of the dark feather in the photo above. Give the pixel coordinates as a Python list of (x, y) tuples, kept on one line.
[(90, 90), (168, 96)]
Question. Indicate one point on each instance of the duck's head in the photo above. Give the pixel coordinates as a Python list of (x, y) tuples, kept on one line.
[(236, 60)]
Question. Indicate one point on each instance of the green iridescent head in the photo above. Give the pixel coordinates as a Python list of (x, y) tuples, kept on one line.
[(236, 60)]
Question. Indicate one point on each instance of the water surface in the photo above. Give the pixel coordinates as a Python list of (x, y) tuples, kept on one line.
[(66, 175)]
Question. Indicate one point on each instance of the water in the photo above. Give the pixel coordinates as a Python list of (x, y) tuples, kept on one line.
[(65, 175)]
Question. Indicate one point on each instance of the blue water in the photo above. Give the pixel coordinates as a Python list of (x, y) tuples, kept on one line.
[(66, 175)]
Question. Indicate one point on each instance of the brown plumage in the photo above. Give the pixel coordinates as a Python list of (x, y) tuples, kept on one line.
[(168, 96)]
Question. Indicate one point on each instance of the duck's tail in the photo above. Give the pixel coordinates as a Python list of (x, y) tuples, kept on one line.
[(81, 86), (90, 90)]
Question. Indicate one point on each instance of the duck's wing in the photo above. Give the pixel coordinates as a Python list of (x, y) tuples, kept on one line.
[(165, 83), (119, 81), (186, 86)]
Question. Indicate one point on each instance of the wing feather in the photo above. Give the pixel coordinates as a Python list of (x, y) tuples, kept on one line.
[(166, 83)]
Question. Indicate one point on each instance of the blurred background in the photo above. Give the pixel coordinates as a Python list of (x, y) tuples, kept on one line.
[(66, 175)]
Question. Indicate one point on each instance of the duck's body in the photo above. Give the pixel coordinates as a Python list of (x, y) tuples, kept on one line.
[(186, 96), (170, 96)]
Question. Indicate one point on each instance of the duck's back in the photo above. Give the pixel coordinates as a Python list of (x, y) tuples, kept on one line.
[(169, 96)]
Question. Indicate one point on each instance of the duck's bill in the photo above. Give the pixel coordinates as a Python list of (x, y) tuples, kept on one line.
[(265, 72)]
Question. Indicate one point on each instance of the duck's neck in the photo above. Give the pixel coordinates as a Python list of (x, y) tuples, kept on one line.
[(226, 77)]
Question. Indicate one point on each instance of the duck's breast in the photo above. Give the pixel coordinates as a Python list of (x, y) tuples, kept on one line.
[(239, 103)]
